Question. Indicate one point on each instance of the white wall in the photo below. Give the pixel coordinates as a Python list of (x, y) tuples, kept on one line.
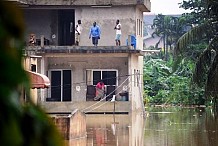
[(106, 19)]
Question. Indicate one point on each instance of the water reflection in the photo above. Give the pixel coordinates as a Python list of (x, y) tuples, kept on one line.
[(161, 127), (108, 130), (181, 127)]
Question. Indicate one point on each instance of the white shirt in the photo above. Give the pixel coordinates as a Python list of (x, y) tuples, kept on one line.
[(78, 28), (118, 31)]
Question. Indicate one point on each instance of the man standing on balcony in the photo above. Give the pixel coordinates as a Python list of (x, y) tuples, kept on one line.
[(95, 33), (78, 30), (118, 32)]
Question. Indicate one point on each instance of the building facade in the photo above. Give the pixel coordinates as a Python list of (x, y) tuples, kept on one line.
[(74, 70)]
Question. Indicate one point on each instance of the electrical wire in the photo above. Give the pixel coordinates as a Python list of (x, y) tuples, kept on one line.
[(107, 95), (85, 83), (103, 102)]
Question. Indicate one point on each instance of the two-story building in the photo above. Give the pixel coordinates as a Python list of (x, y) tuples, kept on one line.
[(75, 70)]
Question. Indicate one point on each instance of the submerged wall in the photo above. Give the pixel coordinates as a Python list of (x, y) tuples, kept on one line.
[(71, 126)]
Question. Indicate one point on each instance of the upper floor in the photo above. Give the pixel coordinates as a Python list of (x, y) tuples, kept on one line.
[(55, 20)]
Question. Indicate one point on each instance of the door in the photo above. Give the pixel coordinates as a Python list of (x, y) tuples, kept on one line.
[(67, 85), (61, 85), (66, 35), (56, 85)]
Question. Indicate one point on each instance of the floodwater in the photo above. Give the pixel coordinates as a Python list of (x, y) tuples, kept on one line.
[(160, 126)]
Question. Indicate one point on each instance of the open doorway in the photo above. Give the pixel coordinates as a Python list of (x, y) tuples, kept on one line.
[(66, 27)]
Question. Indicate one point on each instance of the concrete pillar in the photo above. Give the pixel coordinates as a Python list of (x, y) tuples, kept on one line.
[(42, 41)]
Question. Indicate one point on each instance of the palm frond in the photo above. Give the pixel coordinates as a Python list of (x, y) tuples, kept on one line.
[(156, 45), (196, 33), (202, 67), (213, 45), (211, 88), (212, 78), (176, 63)]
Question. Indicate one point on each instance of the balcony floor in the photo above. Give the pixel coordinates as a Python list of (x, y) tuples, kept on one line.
[(82, 49), (87, 107)]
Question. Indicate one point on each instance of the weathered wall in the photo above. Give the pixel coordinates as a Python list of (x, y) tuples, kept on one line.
[(39, 22), (79, 65), (77, 125), (106, 19), (45, 22), (145, 3), (139, 28), (87, 106), (136, 90), (71, 126), (27, 66)]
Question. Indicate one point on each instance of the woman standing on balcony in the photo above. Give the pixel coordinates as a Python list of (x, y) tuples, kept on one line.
[(100, 90)]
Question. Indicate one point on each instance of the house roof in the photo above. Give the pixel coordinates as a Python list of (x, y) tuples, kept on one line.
[(143, 5)]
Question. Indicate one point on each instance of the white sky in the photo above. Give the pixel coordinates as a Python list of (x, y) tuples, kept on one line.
[(166, 7)]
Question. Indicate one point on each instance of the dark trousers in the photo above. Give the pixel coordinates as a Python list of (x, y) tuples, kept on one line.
[(95, 41)]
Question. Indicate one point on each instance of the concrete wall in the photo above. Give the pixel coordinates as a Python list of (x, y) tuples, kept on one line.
[(106, 19), (27, 66), (136, 69), (39, 22), (139, 29), (45, 22), (79, 65), (86, 106), (145, 4), (34, 92), (71, 126), (137, 132)]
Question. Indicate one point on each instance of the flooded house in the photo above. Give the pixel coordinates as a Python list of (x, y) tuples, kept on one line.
[(74, 70)]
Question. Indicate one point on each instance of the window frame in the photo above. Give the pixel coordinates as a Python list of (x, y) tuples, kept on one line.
[(101, 70), (61, 70)]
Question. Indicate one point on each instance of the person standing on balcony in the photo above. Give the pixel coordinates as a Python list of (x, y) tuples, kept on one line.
[(95, 33), (100, 90), (32, 39), (118, 32), (78, 30)]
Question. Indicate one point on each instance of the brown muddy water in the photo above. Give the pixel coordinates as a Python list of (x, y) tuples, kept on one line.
[(160, 127)]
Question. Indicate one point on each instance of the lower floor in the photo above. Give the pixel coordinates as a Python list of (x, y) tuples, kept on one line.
[(75, 72)]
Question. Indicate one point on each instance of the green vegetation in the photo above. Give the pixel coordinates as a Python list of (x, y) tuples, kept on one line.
[(190, 76), (169, 29), (164, 86), (20, 124)]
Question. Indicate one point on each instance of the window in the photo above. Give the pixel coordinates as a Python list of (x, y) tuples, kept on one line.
[(33, 67), (61, 86), (109, 77)]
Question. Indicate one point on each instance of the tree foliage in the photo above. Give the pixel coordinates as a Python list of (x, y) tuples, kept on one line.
[(20, 124), (163, 85), (206, 73), (169, 29)]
